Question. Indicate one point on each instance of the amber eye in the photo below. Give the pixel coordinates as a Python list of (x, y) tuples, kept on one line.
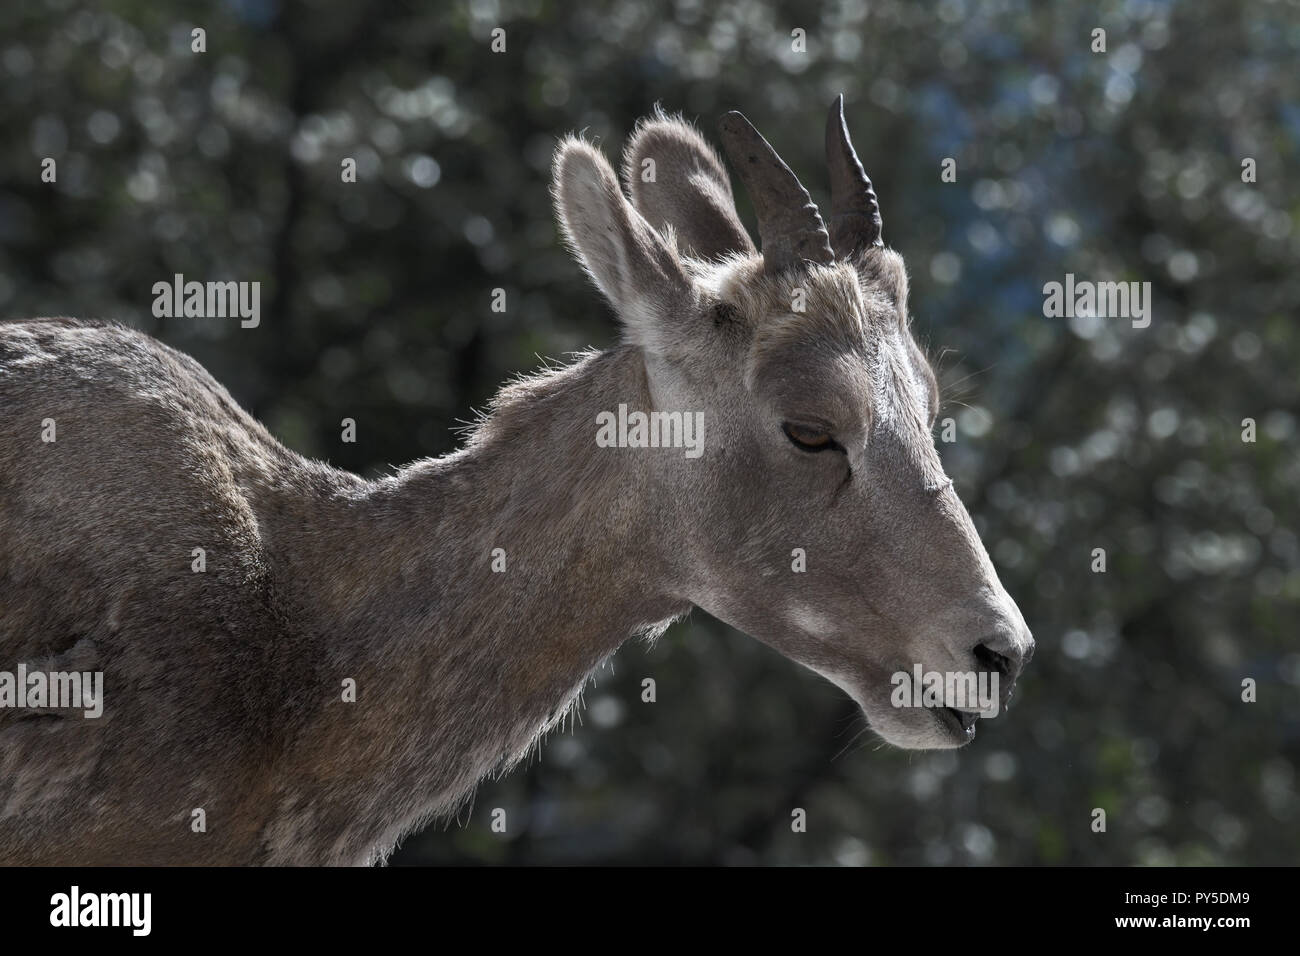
[(808, 438)]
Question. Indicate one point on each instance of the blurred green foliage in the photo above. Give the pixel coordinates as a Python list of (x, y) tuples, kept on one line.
[(1072, 434)]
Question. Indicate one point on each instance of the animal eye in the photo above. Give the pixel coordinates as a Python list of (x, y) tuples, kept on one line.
[(808, 438)]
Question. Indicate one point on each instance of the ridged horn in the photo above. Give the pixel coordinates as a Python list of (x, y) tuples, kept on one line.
[(855, 214), (789, 225)]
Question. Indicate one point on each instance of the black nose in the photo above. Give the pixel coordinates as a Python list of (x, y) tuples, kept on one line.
[(991, 660), (1004, 657)]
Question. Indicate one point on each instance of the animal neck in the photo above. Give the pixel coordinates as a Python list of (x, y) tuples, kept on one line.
[(471, 596)]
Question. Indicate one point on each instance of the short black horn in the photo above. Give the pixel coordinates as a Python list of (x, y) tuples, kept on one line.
[(789, 225), (855, 215)]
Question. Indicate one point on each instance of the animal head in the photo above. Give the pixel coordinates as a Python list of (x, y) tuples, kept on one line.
[(818, 518)]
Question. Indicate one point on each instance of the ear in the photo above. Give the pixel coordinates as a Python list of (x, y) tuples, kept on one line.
[(677, 181), (631, 264)]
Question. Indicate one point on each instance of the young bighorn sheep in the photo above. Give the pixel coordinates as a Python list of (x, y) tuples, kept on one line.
[(223, 690)]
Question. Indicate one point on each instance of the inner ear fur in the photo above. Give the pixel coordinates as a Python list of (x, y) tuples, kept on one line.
[(677, 181), (635, 267)]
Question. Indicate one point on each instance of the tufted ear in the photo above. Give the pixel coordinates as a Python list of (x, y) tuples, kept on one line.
[(629, 261), (676, 180)]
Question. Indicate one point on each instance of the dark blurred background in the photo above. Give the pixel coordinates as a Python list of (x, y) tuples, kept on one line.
[(1071, 434)]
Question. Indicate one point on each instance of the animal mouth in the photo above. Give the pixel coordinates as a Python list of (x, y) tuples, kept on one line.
[(961, 721)]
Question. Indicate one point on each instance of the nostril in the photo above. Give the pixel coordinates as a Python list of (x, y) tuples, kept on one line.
[(992, 660)]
